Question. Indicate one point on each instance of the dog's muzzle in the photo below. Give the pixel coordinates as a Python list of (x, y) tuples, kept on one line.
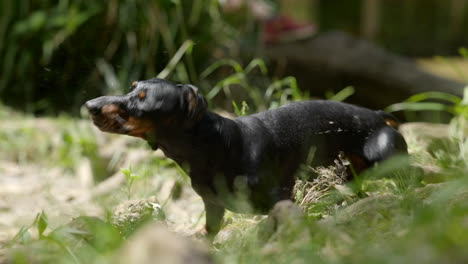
[(110, 117)]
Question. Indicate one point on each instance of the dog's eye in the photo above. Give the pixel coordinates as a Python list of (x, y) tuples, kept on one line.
[(142, 94)]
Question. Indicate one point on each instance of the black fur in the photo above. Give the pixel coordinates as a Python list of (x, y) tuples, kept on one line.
[(257, 155)]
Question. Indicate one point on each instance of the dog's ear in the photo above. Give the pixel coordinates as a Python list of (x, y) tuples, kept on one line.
[(195, 102)]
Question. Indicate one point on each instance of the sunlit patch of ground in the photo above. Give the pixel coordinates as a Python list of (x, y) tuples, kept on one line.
[(45, 167), (453, 68)]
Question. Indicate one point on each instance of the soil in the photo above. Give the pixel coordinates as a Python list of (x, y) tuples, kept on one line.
[(27, 188)]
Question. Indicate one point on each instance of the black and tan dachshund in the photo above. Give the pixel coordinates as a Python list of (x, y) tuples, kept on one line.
[(258, 155)]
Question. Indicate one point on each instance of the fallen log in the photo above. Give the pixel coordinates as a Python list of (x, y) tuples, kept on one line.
[(332, 61)]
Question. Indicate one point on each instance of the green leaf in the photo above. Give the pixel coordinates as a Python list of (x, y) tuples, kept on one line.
[(23, 236), (277, 87), (235, 78), (236, 108), (343, 94), (256, 63), (240, 111), (292, 83), (33, 23), (463, 52), (134, 177), (185, 48), (434, 95), (127, 173), (42, 223), (225, 62)]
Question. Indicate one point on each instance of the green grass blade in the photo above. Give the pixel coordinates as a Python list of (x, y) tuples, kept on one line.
[(435, 95), (185, 48), (419, 106), (225, 62), (343, 94), (236, 78), (256, 63)]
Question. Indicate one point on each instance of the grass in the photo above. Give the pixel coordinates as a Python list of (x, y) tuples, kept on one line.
[(391, 214), (408, 209)]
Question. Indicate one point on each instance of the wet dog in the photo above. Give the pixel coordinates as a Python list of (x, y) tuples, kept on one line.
[(258, 155)]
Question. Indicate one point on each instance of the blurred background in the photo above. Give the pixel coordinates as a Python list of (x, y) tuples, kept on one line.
[(56, 54)]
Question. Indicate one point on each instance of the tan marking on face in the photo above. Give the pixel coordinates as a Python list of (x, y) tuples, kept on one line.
[(110, 109), (139, 127), (392, 123), (114, 120), (134, 84), (142, 95)]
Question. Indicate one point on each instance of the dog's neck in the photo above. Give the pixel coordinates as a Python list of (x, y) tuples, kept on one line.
[(207, 142)]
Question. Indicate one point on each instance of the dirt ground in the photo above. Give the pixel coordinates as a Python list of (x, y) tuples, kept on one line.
[(28, 187)]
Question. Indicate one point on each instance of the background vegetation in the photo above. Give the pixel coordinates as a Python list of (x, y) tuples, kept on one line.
[(58, 53)]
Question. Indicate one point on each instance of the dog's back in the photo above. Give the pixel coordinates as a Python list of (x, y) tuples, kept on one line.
[(325, 127)]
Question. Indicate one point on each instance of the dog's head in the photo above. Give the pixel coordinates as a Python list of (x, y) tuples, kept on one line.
[(151, 105)]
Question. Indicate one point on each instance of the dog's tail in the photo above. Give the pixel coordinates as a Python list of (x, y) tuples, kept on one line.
[(390, 119)]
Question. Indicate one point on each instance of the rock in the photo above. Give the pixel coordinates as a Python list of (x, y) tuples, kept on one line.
[(154, 244), (132, 214), (226, 235), (419, 135), (285, 218), (432, 148), (286, 213), (449, 194), (427, 191), (367, 209)]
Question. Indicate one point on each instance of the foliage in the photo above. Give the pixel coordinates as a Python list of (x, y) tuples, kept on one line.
[(449, 153), (83, 239), (130, 178), (261, 94), (438, 101), (57, 54)]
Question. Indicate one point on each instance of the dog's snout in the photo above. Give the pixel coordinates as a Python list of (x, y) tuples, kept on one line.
[(93, 107)]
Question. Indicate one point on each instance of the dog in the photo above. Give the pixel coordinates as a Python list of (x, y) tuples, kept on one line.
[(257, 155)]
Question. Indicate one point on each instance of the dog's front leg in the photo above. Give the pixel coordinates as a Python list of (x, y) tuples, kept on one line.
[(214, 217)]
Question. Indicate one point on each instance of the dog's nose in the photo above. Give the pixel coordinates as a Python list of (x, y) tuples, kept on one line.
[(93, 107)]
